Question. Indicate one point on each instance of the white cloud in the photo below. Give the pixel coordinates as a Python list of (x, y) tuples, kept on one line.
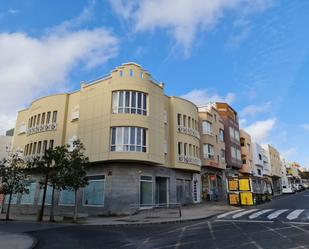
[(289, 153), (204, 96), (252, 110), (184, 19), (33, 66), (305, 126), (260, 130)]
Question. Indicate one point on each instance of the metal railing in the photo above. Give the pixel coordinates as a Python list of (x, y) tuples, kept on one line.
[(41, 128), (188, 131), (189, 159)]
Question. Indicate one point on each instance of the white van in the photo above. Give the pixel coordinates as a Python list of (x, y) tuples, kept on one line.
[(288, 190)]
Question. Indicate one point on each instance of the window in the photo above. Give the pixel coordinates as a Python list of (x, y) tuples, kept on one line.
[(185, 148), (48, 118), (189, 122), (29, 198), (215, 116), (39, 147), (179, 148), (43, 118), (146, 190), (94, 191), (208, 151), (129, 102), (44, 146), (13, 199), (38, 121), (232, 134), (34, 121), (121, 73), (51, 144), (131, 72), (179, 119), (48, 197), (184, 120), (54, 117), (259, 172), (221, 135), (238, 155), (237, 135), (223, 155), (233, 152), (30, 149), (128, 139), (141, 75), (67, 197), (34, 148), (207, 127), (260, 156)]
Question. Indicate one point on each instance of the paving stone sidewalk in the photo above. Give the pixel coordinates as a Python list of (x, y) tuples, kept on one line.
[(16, 241)]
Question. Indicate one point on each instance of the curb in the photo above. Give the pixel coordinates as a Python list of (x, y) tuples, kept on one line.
[(34, 241), (156, 223)]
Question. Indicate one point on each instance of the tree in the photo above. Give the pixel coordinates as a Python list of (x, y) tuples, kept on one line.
[(60, 158), (13, 178), (43, 165), (75, 174)]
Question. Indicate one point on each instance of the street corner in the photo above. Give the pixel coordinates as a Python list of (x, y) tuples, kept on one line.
[(16, 241)]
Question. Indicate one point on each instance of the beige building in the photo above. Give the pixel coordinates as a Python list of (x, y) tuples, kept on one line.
[(144, 146), (246, 153), (276, 167), (212, 153), (5, 146)]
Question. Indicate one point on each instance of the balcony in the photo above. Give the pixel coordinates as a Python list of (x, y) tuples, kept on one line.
[(41, 128), (188, 131), (30, 158), (189, 159)]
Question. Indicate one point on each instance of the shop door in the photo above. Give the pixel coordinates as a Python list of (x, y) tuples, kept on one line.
[(161, 190)]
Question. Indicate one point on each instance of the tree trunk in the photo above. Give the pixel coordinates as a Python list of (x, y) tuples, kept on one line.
[(7, 216), (52, 215), (75, 209), (41, 211)]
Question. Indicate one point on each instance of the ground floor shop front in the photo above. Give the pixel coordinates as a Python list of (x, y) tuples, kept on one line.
[(213, 184), (114, 188)]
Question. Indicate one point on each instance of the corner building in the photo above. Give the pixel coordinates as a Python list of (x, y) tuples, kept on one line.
[(143, 145)]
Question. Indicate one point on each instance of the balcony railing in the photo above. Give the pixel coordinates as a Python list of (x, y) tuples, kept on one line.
[(189, 159), (41, 128), (188, 131), (31, 157)]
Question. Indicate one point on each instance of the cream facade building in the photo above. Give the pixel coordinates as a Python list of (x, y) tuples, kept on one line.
[(5, 146), (144, 146), (212, 153), (246, 153), (276, 168)]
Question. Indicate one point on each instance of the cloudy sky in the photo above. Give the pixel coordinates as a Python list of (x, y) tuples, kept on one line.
[(250, 53)]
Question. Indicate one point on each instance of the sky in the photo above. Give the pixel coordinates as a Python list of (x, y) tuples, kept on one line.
[(254, 54)]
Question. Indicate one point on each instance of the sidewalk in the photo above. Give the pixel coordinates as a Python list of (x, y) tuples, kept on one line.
[(16, 241), (188, 213)]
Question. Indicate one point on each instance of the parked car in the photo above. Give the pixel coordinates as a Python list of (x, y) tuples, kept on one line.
[(288, 190), (302, 187)]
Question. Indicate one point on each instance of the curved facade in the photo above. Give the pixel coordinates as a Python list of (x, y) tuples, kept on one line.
[(135, 136)]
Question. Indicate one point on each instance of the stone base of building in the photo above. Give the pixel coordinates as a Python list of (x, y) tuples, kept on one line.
[(213, 184), (114, 187)]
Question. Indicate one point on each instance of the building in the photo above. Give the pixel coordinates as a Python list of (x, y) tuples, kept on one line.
[(5, 146), (246, 154), (231, 138), (293, 173), (144, 146), (261, 165), (285, 180), (212, 154), (276, 165)]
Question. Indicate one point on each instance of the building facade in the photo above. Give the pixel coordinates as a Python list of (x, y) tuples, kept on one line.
[(261, 166), (246, 154), (212, 154), (144, 146), (5, 146), (276, 168), (231, 138)]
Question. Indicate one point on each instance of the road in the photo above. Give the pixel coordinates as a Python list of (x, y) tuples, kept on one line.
[(237, 230)]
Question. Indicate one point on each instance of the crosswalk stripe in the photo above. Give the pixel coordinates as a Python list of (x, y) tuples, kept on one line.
[(293, 215), (255, 215), (276, 213), (238, 215), (229, 213)]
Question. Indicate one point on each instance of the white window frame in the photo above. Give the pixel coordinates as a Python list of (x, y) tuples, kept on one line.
[(207, 127), (118, 108), (210, 153)]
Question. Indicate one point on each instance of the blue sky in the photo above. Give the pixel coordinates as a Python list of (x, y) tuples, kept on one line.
[(251, 53)]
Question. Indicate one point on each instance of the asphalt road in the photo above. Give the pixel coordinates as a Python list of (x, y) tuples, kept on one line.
[(226, 232)]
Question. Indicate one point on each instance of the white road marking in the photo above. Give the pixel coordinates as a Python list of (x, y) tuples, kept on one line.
[(238, 215), (228, 213), (255, 215), (276, 213), (293, 215)]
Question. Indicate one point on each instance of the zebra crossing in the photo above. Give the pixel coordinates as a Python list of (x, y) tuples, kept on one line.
[(254, 214)]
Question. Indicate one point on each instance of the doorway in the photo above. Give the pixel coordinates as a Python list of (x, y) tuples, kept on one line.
[(161, 190)]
